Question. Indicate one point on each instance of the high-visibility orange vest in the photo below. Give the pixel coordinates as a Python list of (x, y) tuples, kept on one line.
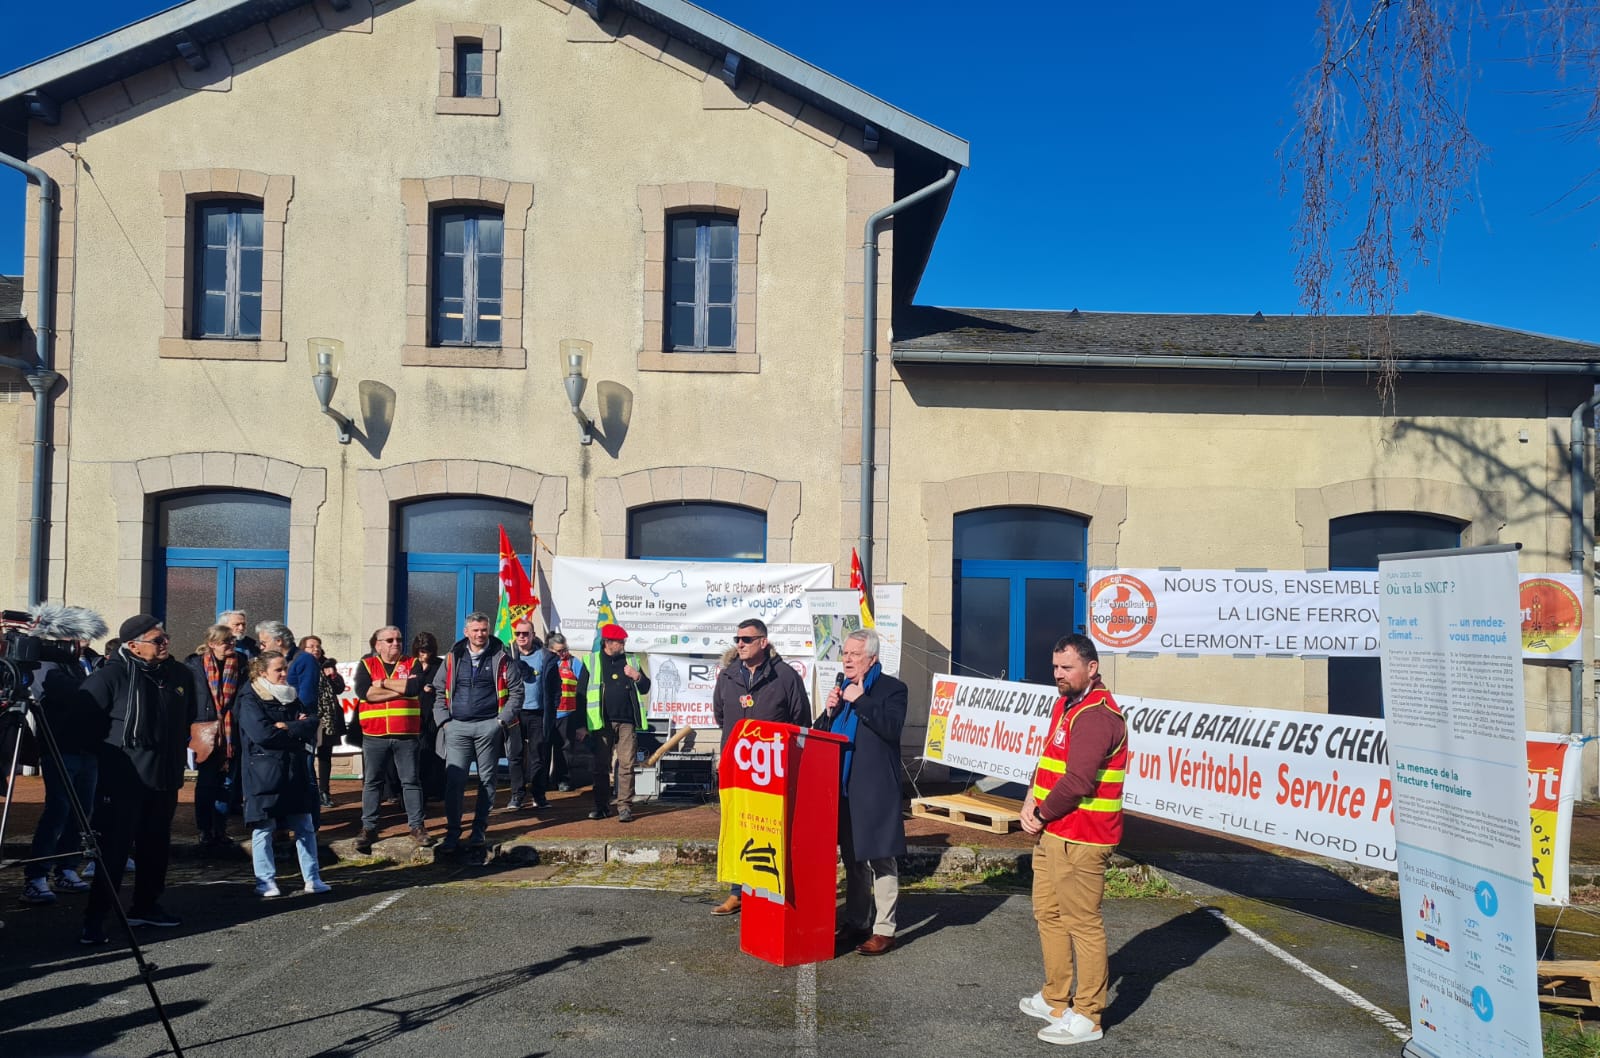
[(569, 685), (1098, 818), (395, 718)]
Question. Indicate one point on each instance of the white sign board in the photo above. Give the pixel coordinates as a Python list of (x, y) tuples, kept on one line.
[(888, 619), (680, 689), (1292, 613), (688, 607), (1452, 685)]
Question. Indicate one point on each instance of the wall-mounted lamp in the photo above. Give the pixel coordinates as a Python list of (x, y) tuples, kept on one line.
[(327, 355), (575, 354)]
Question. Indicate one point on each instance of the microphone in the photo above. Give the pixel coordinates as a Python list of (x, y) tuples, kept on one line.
[(65, 622), (839, 681)]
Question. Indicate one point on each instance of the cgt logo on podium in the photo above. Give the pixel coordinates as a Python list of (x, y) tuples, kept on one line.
[(761, 758)]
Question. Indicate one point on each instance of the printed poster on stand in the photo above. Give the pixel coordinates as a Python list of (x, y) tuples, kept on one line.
[(688, 607), (835, 613), (888, 617), (680, 689), (1452, 687), (1291, 613)]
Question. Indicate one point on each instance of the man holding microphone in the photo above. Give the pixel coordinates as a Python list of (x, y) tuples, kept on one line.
[(869, 709)]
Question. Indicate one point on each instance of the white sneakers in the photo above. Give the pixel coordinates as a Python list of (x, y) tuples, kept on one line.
[(1070, 1027), (268, 890), (317, 885), (67, 881), (1073, 1028), (1035, 1007), (37, 891)]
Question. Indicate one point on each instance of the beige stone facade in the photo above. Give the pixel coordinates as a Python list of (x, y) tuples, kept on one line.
[(588, 137)]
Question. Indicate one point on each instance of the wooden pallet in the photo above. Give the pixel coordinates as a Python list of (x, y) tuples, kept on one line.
[(1556, 974), (976, 810)]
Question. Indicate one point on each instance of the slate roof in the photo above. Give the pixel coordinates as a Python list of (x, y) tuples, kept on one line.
[(1421, 341), (10, 298)]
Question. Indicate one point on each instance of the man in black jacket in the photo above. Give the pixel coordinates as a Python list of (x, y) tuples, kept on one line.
[(479, 695), (871, 712), (760, 685), (146, 700)]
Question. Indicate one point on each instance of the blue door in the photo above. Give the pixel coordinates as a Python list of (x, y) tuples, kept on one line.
[(219, 551), (449, 562), (1017, 587)]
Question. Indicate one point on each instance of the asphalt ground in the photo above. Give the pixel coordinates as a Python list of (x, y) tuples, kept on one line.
[(610, 958)]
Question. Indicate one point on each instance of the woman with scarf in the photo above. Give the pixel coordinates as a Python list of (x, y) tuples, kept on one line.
[(275, 729), (330, 715), (218, 673)]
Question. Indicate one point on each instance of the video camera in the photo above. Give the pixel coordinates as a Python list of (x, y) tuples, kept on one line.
[(48, 632)]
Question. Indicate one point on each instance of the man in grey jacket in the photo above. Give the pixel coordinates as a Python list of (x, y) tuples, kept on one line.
[(479, 695)]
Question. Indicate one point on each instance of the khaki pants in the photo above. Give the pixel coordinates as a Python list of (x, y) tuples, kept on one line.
[(613, 740), (1069, 881)]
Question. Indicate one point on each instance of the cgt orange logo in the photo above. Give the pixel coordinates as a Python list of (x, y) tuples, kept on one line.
[(761, 758), (1122, 610), (944, 697)]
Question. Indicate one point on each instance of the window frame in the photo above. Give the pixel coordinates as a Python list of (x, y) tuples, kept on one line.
[(471, 260), (234, 248), (225, 561), (465, 49), (703, 505), (702, 305)]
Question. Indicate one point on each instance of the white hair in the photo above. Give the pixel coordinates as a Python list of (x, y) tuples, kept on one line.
[(868, 639)]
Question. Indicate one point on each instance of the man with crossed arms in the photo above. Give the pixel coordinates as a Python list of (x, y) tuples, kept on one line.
[(1075, 809)]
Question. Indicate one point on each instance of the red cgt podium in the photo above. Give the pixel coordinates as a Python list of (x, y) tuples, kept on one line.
[(780, 823)]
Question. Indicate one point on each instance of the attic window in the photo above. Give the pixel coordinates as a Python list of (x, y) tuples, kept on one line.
[(469, 69)]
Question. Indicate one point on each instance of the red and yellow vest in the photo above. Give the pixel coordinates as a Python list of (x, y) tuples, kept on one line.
[(1098, 818), (568, 702), (395, 718)]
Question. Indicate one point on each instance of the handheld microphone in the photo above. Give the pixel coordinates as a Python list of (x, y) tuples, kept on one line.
[(839, 681)]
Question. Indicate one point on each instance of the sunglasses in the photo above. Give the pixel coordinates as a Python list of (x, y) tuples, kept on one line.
[(389, 639), (156, 642), (748, 639)]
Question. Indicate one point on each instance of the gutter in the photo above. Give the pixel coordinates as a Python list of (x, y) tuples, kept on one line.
[(869, 360), (1241, 363), (41, 376), (1578, 441)]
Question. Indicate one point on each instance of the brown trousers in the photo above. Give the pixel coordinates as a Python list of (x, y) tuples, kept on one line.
[(613, 740), (1069, 882)]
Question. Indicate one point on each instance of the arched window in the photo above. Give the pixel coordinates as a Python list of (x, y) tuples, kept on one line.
[(449, 561), (697, 532), (219, 551), (1355, 685), (1017, 587)]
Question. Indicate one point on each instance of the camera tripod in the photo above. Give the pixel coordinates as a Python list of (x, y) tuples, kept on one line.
[(16, 705)]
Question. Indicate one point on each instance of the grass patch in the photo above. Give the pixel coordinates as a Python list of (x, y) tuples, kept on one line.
[(1571, 1040), (1140, 883)]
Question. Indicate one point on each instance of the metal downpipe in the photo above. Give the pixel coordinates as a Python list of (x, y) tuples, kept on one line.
[(1577, 443), (41, 376), (869, 360)]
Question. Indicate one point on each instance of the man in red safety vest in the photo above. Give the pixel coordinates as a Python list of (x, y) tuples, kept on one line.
[(1075, 809)]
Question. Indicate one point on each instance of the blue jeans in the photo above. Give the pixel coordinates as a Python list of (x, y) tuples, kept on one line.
[(305, 844), (54, 835), (467, 741)]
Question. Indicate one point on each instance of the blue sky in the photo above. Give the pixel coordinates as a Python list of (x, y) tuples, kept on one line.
[(1124, 158)]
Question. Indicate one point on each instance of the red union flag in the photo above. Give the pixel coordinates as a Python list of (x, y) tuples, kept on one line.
[(859, 583), (517, 600)]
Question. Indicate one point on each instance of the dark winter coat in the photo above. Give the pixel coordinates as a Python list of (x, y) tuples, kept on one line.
[(276, 770), (873, 802), (144, 712), (775, 690)]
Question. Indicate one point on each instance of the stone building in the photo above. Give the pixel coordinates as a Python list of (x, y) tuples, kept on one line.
[(453, 189)]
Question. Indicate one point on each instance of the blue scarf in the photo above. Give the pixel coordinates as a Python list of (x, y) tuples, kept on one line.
[(846, 723)]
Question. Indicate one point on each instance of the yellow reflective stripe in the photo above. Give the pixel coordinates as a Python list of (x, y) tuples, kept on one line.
[(1040, 793), (376, 711), (1101, 804), (1051, 764), (1110, 775)]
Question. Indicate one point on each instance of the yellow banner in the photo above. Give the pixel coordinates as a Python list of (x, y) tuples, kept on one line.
[(751, 850)]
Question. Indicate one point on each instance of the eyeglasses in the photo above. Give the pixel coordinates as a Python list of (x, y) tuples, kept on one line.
[(524, 635), (160, 640), (748, 639), (388, 639)]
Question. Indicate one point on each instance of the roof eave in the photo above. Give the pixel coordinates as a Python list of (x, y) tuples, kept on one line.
[(1362, 365)]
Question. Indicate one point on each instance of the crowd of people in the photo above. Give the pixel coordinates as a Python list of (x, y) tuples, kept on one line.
[(258, 720), (260, 717)]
